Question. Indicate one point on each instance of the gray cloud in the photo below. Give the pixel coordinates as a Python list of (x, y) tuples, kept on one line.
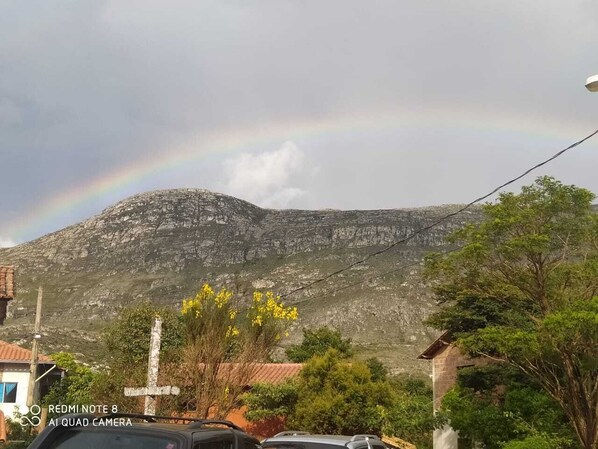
[(478, 89)]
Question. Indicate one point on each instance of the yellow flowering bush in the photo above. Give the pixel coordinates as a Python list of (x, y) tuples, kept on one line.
[(211, 315), (216, 314), (218, 332), (269, 318)]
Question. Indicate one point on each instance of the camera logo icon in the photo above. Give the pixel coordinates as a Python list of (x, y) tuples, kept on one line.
[(30, 416)]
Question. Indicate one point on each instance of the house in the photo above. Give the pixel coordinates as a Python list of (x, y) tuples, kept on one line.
[(256, 373), (14, 376), (7, 289), (265, 373), (446, 362)]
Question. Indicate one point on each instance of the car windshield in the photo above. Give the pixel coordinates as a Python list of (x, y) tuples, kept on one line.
[(110, 439)]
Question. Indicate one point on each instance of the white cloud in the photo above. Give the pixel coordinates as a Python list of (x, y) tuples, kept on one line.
[(266, 179), (7, 243)]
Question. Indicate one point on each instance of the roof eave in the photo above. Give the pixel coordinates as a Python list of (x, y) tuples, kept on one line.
[(431, 351)]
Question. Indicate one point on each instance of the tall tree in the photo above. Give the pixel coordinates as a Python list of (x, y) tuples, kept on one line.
[(522, 290)]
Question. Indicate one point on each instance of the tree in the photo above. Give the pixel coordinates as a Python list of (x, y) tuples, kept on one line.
[(317, 342), (127, 342), (411, 416), (521, 289), (496, 405), (75, 386), (336, 397), (224, 342), (377, 369), (271, 400)]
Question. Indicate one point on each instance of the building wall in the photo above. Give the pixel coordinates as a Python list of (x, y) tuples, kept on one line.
[(18, 373), (445, 366), (7, 279), (261, 429)]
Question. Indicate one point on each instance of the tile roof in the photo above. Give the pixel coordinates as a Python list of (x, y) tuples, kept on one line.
[(272, 373), (7, 288), (14, 353), (275, 373)]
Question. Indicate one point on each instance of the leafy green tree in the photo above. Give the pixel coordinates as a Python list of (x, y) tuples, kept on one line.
[(494, 405), (75, 386), (127, 343), (522, 290), (337, 397), (411, 416), (271, 400), (317, 342), (127, 340), (377, 368)]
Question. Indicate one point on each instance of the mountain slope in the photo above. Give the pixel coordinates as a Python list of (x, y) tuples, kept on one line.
[(162, 245)]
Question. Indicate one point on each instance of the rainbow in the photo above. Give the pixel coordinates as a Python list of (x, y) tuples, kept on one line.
[(230, 141)]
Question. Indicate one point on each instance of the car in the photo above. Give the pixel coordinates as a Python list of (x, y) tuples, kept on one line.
[(304, 440), (133, 431)]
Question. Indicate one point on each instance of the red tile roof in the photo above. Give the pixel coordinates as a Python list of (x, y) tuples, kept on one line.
[(272, 373), (275, 373), (7, 279), (14, 353)]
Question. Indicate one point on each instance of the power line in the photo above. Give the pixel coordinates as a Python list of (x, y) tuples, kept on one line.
[(380, 275), (437, 222)]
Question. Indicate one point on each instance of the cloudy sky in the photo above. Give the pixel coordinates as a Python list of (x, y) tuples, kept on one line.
[(304, 104)]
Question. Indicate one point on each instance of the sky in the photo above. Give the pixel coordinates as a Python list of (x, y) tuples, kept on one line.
[(287, 104)]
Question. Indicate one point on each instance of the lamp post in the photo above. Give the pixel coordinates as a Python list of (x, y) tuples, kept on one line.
[(592, 83)]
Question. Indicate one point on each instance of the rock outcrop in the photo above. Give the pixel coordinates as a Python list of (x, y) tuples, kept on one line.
[(162, 245)]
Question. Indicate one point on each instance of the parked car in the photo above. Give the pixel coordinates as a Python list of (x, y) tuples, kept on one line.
[(304, 440), (131, 431)]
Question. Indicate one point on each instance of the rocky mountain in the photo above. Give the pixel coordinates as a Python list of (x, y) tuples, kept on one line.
[(163, 245)]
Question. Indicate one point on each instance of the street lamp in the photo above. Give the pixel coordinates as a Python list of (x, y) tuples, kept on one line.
[(592, 83)]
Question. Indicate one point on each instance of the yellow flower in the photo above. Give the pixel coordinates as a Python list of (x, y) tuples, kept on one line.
[(232, 331)]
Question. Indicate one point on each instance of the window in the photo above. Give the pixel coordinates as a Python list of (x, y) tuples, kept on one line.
[(8, 392), (218, 442), (250, 444), (98, 438)]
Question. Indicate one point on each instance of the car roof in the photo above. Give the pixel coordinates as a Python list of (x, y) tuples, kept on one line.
[(338, 440), (153, 422)]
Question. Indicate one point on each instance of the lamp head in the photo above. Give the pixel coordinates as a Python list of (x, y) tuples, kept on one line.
[(592, 83)]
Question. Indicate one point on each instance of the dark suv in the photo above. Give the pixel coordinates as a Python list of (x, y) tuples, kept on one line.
[(130, 431), (303, 440)]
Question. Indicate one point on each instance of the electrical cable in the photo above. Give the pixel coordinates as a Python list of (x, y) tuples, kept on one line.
[(437, 222), (380, 275)]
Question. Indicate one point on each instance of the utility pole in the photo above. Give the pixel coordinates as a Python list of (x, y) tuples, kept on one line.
[(34, 349)]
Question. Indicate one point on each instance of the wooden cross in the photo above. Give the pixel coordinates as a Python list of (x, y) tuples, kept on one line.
[(152, 390)]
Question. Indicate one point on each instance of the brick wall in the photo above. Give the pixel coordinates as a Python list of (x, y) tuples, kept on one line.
[(446, 363), (7, 289)]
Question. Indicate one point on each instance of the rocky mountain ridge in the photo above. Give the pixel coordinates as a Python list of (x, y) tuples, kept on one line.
[(162, 245)]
